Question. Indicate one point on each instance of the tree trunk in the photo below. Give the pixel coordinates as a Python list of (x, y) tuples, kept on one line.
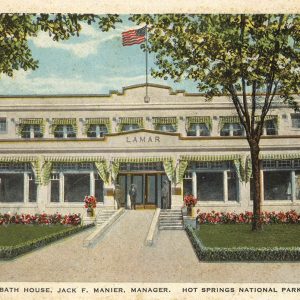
[(256, 221)]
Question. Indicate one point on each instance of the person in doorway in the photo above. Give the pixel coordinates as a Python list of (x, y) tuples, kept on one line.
[(133, 194), (118, 195), (165, 194)]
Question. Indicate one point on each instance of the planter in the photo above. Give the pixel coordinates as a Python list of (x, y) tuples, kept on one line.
[(90, 212)]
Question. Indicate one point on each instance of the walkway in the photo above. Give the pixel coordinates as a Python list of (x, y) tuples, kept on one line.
[(122, 257)]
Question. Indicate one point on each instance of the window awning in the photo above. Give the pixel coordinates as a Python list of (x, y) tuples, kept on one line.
[(97, 121), (158, 121), (32, 121), (168, 164), (235, 119), (63, 121), (130, 121), (100, 164), (238, 160), (199, 120)]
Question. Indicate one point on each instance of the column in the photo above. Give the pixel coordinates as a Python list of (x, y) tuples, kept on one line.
[(244, 195), (159, 190), (128, 202), (61, 187), (215, 131), (262, 194), (225, 186), (42, 197), (80, 129), (12, 127), (109, 200), (181, 126), (197, 129), (92, 183), (26, 187), (293, 186), (194, 184), (47, 129)]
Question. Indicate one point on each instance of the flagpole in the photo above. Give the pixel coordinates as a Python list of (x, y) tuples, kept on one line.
[(147, 98)]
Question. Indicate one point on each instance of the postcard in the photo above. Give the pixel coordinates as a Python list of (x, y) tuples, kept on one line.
[(149, 150)]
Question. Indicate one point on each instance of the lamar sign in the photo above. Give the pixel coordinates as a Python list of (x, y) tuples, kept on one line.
[(142, 139)]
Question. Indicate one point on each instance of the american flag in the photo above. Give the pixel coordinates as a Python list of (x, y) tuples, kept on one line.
[(134, 36)]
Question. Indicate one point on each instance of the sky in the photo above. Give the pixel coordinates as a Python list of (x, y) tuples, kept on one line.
[(93, 63)]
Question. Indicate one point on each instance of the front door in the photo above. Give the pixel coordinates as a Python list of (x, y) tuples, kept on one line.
[(147, 189), (138, 181), (151, 190)]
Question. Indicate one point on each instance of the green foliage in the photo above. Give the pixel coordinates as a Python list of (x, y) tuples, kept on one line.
[(9, 252), (240, 235), (16, 29), (230, 54), (241, 253)]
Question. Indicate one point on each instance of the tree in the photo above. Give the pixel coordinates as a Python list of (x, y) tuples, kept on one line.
[(16, 29), (254, 59)]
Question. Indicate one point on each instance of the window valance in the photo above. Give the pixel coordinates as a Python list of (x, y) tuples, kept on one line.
[(32, 121), (97, 121), (130, 121), (100, 164), (199, 120), (168, 164), (238, 160), (63, 121), (235, 119), (33, 160)]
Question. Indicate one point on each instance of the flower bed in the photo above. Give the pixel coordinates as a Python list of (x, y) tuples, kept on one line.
[(290, 217), (9, 252), (40, 219), (241, 253)]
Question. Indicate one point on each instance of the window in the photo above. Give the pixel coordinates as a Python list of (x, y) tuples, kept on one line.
[(232, 183), (277, 185), (295, 120), (3, 126), (198, 130), (232, 129), (270, 127), (129, 127), (32, 193), (210, 186), (130, 123), (54, 187), (12, 187), (297, 184), (147, 166), (166, 124), (97, 130), (99, 190), (72, 182), (64, 131), (166, 127), (31, 131), (76, 187)]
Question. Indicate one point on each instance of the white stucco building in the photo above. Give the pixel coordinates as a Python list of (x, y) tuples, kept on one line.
[(57, 149)]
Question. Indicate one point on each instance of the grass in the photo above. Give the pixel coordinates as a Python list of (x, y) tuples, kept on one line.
[(15, 234), (232, 236)]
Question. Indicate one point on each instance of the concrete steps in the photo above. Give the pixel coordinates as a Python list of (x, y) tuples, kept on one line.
[(104, 215), (170, 219)]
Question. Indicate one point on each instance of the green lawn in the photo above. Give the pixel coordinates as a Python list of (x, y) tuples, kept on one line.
[(231, 236), (14, 234)]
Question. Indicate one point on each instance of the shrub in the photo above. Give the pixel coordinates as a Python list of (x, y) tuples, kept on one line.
[(8, 252), (242, 253), (45, 219), (290, 217)]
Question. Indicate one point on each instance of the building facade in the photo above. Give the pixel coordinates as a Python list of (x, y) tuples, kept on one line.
[(57, 149)]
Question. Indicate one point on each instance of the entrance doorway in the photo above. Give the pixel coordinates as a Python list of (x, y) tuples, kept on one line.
[(148, 187)]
